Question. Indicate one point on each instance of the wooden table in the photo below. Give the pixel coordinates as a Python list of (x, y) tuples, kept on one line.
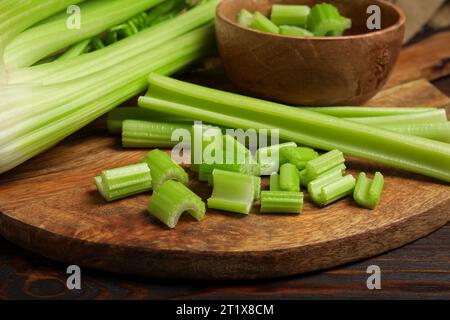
[(418, 270)]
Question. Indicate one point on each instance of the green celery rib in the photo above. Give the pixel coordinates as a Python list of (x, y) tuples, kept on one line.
[(298, 156), (171, 200), (269, 157), (291, 15), (274, 183), (295, 31), (289, 178), (367, 192), (150, 134), (437, 115), (330, 187), (40, 41), (262, 23), (122, 182), (256, 187), (439, 131), (281, 202), (361, 112), (232, 192), (416, 154), (325, 20), (163, 168), (245, 18), (75, 50), (324, 163), (118, 115), (118, 53), (305, 179)]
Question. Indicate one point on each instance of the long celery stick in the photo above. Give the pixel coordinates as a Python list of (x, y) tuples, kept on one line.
[(119, 52), (367, 192), (163, 168), (74, 51), (172, 199), (44, 39), (292, 15), (416, 154), (149, 134), (232, 192), (352, 112), (437, 115), (122, 182), (289, 178), (21, 149), (439, 131), (281, 202)]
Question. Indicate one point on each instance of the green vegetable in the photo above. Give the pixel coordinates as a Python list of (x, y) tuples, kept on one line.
[(275, 182), (205, 141), (163, 168), (269, 157), (295, 31), (324, 163), (416, 154), (368, 192), (256, 187), (330, 187), (289, 178), (122, 182), (245, 18), (325, 20), (281, 201), (232, 192), (353, 112), (172, 199), (75, 50), (305, 180), (149, 134), (439, 131), (262, 23), (437, 115), (298, 156), (292, 15)]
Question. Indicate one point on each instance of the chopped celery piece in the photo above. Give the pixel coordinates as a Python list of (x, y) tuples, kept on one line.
[(298, 156), (355, 112), (149, 134), (122, 182), (368, 192), (291, 15), (295, 31), (163, 168), (439, 131), (305, 179), (274, 183), (324, 163), (172, 199), (256, 187), (269, 157), (262, 23), (289, 178), (437, 115), (312, 129), (204, 175), (281, 202), (205, 137), (330, 187), (232, 192), (325, 20), (245, 18)]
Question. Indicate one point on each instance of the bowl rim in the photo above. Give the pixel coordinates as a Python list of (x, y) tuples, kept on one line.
[(397, 25)]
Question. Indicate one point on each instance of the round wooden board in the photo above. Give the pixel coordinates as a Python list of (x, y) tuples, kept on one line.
[(50, 205)]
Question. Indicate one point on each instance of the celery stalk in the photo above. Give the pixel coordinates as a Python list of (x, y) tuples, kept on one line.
[(274, 182), (75, 50), (262, 23), (330, 187), (439, 131), (354, 112), (172, 199), (245, 18), (433, 116), (295, 31), (305, 179), (269, 157), (325, 20), (292, 15), (416, 154), (289, 178), (256, 188), (298, 156), (163, 168), (368, 192), (232, 192), (281, 202), (324, 163)]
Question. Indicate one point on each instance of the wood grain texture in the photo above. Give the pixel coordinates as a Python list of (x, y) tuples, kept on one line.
[(64, 217)]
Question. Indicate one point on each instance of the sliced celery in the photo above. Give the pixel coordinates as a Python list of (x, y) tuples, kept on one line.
[(354, 112), (325, 20), (437, 115), (281, 202), (122, 182), (305, 179), (368, 192), (163, 168), (289, 178), (149, 134), (439, 131), (245, 18), (256, 187), (269, 157), (324, 163), (331, 187), (232, 192), (298, 156), (262, 23), (295, 31), (292, 15), (172, 199), (274, 183)]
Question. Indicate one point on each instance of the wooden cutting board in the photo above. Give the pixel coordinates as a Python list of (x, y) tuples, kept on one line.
[(49, 205)]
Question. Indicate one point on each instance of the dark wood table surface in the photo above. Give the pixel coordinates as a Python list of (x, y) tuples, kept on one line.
[(420, 270)]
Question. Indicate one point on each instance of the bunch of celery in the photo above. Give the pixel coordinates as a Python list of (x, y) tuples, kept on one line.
[(42, 104)]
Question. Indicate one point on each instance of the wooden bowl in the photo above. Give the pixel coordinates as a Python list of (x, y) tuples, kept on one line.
[(346, 70)]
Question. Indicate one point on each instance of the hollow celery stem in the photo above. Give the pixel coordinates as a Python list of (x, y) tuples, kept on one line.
[(330, 188), (262, 23), (325, 20), (295, 31), (122, 182), (281, 202), (298, 156), (289, 178), (172, 199), (324, 163), (269, 157), (291, 15), (305, 180), (232, 192), (274, 183), (163, 168), (437, 115), (367, 192), (150, 134), (361, 112), (245, 18)]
